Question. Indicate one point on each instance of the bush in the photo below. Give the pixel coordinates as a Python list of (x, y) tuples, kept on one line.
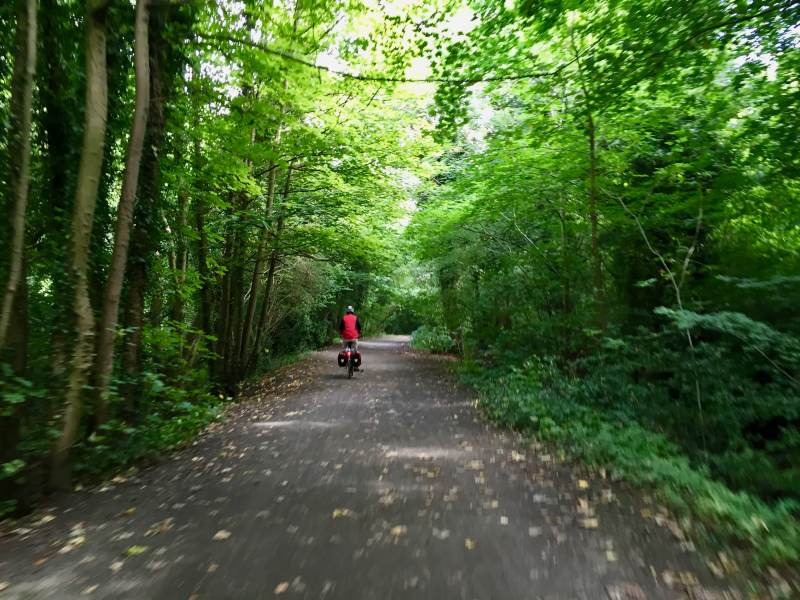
[(541, 399), (435, 339)]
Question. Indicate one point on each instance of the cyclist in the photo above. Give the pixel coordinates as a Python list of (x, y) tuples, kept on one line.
[(350, 328)]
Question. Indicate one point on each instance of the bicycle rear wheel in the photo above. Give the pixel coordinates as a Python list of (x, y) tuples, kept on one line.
[(350, 368)]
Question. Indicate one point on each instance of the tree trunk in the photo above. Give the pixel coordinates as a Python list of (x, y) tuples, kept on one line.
[(597, 263), (130, 182), (91, 165), (262, 245), (273, 263), (19, 148), (235, 316), (17, 344), (176, 312), (202, 266), (134, 319), (60, 130)]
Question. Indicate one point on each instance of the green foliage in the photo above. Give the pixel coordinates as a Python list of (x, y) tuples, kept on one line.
[(620, 236), (16, 391), (539, 399), (117, 443), (436, 339)]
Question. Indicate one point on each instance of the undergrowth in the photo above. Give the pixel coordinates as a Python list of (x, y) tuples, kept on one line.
[(540, 399)]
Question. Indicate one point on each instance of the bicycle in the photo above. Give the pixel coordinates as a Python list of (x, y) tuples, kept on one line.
[(350, 358)]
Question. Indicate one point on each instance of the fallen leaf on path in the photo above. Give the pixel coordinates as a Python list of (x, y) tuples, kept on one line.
[(135, 550), (517, 457), (160, 527), (583, 484), (128, 512), (503, 520), (44, 520), (589, 523), (611, 556), (398, 530), (343, 513), (90, 590), (441, 534), (534, 531), (469, 544), (72, 544), (222, 534), (212, 568), (626, 591), (4, 585), (116, 566), (386, 499), (682, 577), (281, 587)]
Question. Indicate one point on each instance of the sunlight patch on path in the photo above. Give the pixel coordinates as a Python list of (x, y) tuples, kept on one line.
[(296, 424), (424, 452)]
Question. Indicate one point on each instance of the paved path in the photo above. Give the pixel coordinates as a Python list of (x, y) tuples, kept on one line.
[(385, 487)]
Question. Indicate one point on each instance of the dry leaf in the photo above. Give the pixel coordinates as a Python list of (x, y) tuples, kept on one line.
[(398, 530), (589, 523), (281, 587), (343, 513), (222, 534), (611, 556), (212, 568), (160, 527), (583, 484), (116, 566), (135, 550), (90, 590), (469, 544), (503, 520), (4, 585)]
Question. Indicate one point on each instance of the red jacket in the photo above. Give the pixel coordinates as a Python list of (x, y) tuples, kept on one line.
[(350, 327)]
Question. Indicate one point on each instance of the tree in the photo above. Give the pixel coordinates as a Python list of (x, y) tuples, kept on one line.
[(130, 181), (85, 198), (19, 152)]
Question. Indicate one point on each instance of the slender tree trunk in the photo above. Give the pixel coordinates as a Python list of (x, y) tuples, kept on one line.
[(262, 246), (145, 226), (130, 182), (202, 266), (59, 125), (19, 150), (176, 312), (91, 165), (273, 263), (17, 344), (224, 309), (597, 263), (134, 320), (235, 320)]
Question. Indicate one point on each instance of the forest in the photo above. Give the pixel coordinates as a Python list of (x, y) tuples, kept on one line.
[(594, 204)]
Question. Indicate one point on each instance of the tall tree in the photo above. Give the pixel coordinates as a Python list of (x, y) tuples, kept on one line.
[(91, 163), (130, 182), (19, 151)]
